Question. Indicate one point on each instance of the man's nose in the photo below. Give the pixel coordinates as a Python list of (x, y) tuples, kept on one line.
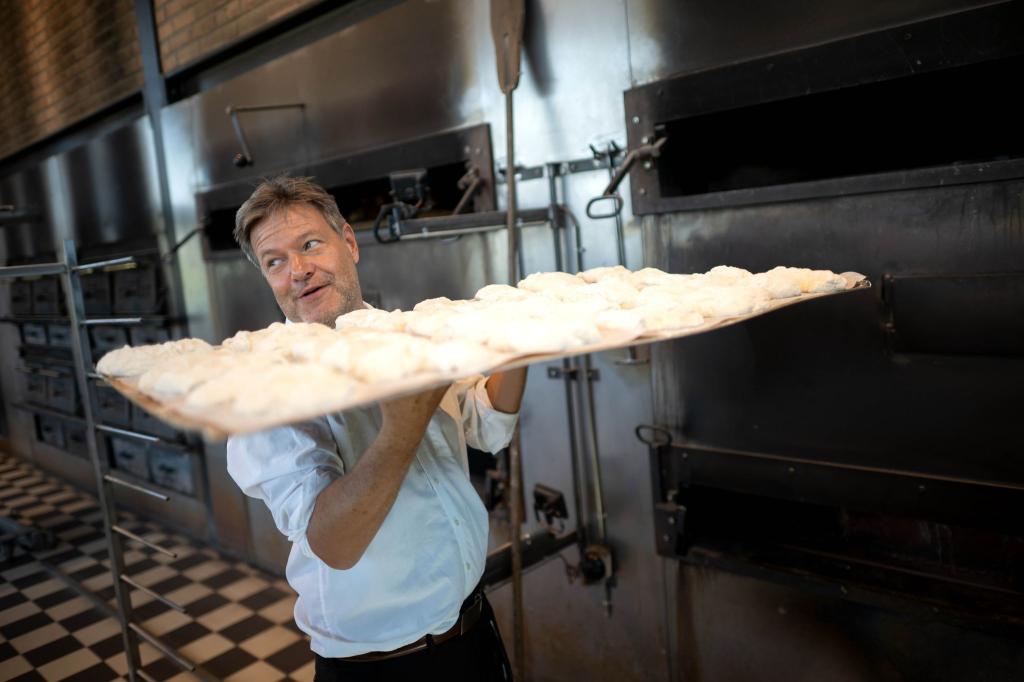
[(301, 268)]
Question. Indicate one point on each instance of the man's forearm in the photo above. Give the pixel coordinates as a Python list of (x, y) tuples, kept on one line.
[(349, 512), (505, 390)]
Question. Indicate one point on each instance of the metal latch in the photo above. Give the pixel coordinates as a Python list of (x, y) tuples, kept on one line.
[(572, 374), (548, 505)]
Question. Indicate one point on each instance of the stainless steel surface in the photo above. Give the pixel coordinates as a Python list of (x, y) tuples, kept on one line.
[(160, 598), (918, 416), (96, 265), (27, 191), (143, 541), (668, 38), (110, 186), (138, 488)]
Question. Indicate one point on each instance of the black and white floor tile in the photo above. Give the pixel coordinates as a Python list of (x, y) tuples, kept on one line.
[(238, 624)]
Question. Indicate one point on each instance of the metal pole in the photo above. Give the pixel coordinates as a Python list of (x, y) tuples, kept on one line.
[(83, 359), (515, 474)]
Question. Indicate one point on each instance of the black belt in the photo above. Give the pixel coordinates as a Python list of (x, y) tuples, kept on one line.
[(469, 614)]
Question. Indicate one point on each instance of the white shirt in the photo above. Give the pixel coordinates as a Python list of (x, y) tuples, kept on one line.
[(428, 554)]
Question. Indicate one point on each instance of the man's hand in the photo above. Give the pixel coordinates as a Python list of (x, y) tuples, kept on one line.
[(349, 512)]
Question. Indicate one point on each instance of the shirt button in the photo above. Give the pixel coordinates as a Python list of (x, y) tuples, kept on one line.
[(467, 566), (456, 522)]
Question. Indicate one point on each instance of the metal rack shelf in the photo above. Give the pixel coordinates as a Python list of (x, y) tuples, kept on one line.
[(68, 269)]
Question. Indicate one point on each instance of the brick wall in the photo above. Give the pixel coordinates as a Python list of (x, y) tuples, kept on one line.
[(61, 60), (190, 29)]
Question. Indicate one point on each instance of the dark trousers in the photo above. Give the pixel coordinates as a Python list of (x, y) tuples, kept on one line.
[(475, 656)]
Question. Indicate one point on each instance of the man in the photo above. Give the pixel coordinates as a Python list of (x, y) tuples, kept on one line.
[(389, 538)]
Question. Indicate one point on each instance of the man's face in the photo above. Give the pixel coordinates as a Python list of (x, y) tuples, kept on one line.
[(310, 267)]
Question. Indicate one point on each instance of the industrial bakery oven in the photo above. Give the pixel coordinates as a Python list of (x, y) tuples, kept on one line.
[(842, 481), (376, 190)]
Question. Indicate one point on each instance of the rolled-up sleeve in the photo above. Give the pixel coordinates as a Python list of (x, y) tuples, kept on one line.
[(485, 428), (287, 468)]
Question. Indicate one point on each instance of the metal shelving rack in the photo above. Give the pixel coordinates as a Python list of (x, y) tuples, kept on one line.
[(68, 270)]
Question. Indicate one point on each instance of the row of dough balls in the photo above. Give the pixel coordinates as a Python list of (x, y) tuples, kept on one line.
[(287, 369), (299, 367), (553, 312)]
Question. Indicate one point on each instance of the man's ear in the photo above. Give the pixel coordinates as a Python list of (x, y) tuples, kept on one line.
[(349, 235)]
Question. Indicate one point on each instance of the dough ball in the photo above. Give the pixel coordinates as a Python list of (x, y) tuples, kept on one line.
[(128, 361), (461, 357), (622, 321), (777, 284), (546, 281), (598, 274), (726, 275), (371, 318)]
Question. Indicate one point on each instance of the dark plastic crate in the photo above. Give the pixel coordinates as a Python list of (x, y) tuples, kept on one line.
[(146, 336), (51, 430), (144, 422), (172, 469), (33, 334), (96, 294), (130, 456), (21, 297), (45, 296), (59, 335), (135, 291), (61, 393), (75, 437), (111, 407), (107, 338), (35, 388)]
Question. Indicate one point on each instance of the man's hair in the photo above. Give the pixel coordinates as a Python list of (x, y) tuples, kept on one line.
[(279, 193)]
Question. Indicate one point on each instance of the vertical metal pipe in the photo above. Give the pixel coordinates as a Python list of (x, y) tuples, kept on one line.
[(82, 356), (510, 185), (515, 473)]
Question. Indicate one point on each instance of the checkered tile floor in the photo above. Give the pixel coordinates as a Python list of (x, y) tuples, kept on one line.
[(239, 624)]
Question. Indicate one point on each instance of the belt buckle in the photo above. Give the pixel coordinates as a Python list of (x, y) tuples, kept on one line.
[(477, 606)]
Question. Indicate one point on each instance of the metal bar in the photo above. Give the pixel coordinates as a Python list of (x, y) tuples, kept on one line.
[(125, 432), (81, 352), (47, 411), (98, 603), (162, 599), (40, 371), (587, 390), (850, 467), (539, 549), (39, 269), (145, 676), (442, 234), (127, 484), (142, 541), (492, 219), (267, 107), (123, 260), (157, 644), (92, 322)]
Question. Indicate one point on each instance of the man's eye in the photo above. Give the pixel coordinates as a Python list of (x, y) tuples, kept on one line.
[(273, 262), (310, 244)]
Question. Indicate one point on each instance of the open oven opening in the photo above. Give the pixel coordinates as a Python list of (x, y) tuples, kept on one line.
[(968, 114), (424, 172), (360, 202)]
